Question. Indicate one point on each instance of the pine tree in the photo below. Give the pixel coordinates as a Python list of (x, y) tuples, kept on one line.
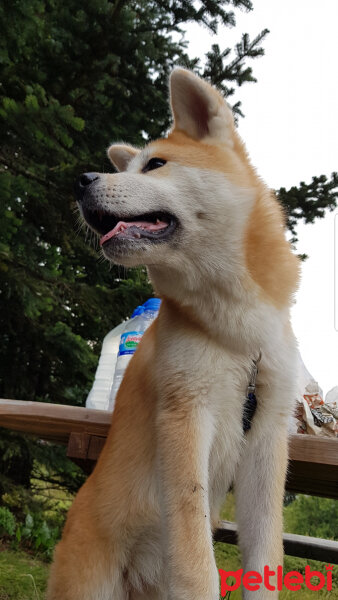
[(74, 78), (308, 202)]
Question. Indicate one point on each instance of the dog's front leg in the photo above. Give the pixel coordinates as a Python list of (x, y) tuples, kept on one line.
[(259, 489), (185, 432)]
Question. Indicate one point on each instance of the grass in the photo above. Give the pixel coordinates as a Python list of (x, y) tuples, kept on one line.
[(22, 577)]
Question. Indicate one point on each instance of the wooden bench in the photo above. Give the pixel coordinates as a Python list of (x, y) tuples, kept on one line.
[(313, 466)]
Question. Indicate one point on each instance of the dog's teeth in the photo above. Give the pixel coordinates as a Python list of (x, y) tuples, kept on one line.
[(137, 235)]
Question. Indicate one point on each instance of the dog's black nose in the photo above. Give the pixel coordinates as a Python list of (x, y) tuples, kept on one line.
[(82, 183)]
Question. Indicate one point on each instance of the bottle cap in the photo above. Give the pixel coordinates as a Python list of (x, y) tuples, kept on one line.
[(152, 304), (138, 311)]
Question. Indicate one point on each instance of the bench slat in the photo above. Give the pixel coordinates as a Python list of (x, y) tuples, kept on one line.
[(294, 545)]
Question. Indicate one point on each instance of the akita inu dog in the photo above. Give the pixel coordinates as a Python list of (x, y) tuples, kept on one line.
[(192, 209)]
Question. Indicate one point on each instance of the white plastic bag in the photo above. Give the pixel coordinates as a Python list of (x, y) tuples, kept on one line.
[(312, 414)]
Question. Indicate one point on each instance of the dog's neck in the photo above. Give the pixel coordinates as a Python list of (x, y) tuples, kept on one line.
[(232, 316)]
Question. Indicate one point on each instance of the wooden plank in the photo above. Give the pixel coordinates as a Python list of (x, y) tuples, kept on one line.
[(313, 479), (53, 422), (313, 467), (314, 449), (294, 545), (311, 548), (226, 533), (78, 445)]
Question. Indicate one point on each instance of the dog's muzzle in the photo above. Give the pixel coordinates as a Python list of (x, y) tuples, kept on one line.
[(83, 183)]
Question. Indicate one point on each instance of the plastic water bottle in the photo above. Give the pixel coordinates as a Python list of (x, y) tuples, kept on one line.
[(130, 338), (98, 396), (151, 308)]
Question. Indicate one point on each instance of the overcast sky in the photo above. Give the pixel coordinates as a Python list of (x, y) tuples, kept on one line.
[(291, 132)]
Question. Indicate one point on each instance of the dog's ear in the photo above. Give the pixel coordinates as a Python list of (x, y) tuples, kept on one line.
[(198, 109), (121, 154)]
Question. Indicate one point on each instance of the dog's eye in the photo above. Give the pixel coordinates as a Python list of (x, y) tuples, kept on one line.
[(153, 163)]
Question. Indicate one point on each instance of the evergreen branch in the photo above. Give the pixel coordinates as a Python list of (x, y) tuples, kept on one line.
[(39, 275), (248, 50), (116, 8), (218, 73), (58, 487), (17, 170), (309, 201)]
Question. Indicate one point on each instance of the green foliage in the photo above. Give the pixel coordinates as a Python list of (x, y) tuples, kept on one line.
[(35, 534), (228, 512), (16, 459), (289, 497), (37, 487), (310, 515), (7, 522), (309, 201), (27, 463), (236, 70)]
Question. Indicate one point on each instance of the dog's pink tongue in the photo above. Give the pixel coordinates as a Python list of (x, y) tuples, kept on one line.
[(122, 226)]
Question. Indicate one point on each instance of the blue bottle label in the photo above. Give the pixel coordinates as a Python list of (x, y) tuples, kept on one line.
[(129, 342)]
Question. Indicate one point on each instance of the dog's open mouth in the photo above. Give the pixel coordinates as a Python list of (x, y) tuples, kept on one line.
[(153, 226)]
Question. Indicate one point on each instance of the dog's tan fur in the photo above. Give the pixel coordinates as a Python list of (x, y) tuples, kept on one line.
[(141, 526)]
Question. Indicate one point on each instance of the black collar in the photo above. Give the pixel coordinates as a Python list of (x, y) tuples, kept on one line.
[(250, 404)]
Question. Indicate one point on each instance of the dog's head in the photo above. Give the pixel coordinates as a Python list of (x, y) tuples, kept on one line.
[(182, 204)]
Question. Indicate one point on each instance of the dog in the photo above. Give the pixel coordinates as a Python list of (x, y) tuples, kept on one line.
[(193, 210)]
